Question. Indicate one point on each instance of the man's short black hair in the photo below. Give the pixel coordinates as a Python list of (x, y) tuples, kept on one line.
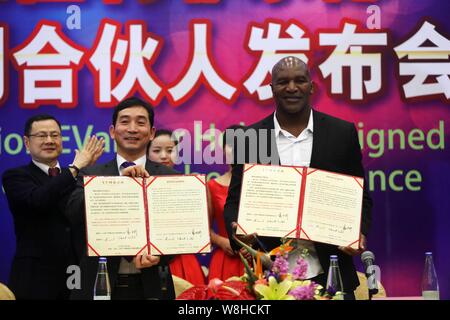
[(36, 118), (133, 102)]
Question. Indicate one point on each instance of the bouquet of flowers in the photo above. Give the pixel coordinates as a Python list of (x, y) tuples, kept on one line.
[(276, 282), (267, 280)]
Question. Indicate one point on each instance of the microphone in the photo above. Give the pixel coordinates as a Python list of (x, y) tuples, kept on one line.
[(368, 259)]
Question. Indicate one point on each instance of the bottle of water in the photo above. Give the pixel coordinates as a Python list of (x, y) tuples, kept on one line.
[(102, 288), (334, 280), (430, 285)]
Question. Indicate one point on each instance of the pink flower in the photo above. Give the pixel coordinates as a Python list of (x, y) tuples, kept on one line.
[(280, 265), (300, 269), (304, 292)]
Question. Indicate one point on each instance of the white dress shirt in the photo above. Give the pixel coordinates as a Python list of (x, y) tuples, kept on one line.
[(125, 266), (45, 167), (139, 162), (296, 151)]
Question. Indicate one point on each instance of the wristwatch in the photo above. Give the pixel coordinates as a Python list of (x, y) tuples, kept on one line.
[(74, 167)]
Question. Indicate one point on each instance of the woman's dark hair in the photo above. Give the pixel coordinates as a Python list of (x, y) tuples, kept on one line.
[(162, 132), (231, 128)]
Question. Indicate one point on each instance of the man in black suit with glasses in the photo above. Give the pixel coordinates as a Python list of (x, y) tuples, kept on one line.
[(37, 194)]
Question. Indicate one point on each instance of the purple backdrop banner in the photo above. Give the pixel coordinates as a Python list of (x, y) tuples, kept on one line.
[(384, 65)]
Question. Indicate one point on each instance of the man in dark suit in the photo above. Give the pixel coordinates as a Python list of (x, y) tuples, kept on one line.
[(144, 276), (298, 135), (37, 194)]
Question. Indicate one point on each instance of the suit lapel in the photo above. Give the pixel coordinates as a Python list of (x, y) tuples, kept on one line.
[(319, 139), (110, 168), (38, 173)]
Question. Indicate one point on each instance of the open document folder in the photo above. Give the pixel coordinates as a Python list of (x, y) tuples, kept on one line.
[(157, 215), (300, 202)]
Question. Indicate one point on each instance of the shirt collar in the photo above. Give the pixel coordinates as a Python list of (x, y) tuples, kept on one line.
[(278, 129), (45, 167), (139, 162)]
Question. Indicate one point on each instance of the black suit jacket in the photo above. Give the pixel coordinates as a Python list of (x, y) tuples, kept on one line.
[(335, 148), (75, 211), (43, 235)]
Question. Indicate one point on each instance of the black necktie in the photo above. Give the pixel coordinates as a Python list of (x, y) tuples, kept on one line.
[(124, 165), (53, 172)]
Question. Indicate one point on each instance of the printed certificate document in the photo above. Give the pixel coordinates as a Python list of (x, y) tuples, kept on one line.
[(158, 215), (300, 202)]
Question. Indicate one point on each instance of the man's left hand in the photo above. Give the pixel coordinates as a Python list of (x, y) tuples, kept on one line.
[(136, 171), (145, 261), (353, 252)]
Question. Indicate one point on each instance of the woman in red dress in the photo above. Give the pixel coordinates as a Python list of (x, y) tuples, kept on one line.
[(162, 149), (224, 262)]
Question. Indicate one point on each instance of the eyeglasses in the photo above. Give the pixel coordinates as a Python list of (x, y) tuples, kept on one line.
[(44, 136)]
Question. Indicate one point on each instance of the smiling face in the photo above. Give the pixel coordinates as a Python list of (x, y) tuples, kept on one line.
[(162, 150), (44, 142), (291, 87), (132, 132)]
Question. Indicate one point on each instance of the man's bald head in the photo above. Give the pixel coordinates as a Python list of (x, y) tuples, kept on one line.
[(292, 86), (288, 63)]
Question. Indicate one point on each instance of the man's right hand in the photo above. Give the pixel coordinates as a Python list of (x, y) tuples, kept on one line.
[(248, 239)]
